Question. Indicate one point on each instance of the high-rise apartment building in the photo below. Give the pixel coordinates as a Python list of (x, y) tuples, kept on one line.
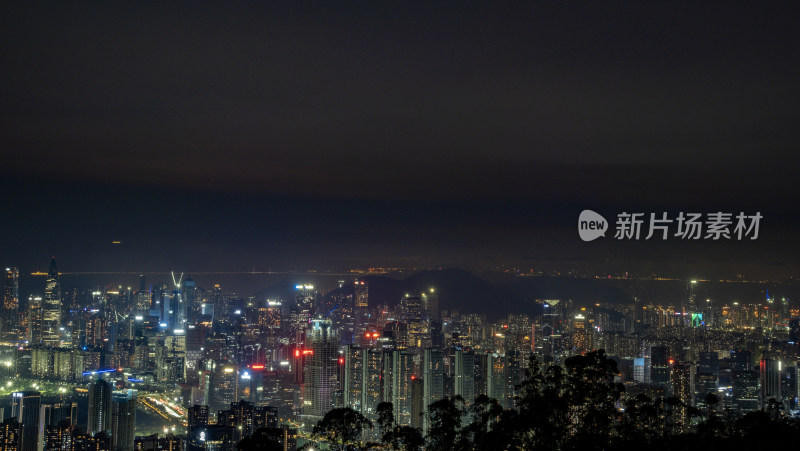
[(99, 412)]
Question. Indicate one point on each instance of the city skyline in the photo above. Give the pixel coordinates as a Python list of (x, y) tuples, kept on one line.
[(410, 226)]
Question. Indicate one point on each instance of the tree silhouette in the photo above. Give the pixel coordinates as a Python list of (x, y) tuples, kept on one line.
[(483, 415), (341, 428), (543, 419), (444, 419), (407, 438), (577, 406), (385, 421)]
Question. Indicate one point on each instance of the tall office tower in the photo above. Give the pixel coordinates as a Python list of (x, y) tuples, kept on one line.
[(432, 380), (141, 303), (418, 409), (123, 419), (321, 368), (785, 314), (690, 304), (51, 314), (8, 320), (708, 363), (178, 313), (430, 305), (99, 417), (704, 384), (361, 294), (190, 298), (465, 376), (437, 336), (225, 387), (35, 319), (659, 366), (300, 312), (745, 390), (402, 376), (641, 370), (360, 306), (496, 378), (354, 372), (481, 370), (411, 308), (770, 377), (789, 387), (25, 407)]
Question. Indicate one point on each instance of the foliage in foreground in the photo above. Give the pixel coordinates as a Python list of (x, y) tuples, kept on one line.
[(575, 407)]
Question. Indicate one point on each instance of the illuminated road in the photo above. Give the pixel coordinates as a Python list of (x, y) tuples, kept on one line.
[(163, 407), (156, 403)]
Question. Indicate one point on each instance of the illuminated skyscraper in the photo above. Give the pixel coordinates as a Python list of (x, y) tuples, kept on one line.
[(362, 294), (51, 308), (513, 376), (192, 307), (142, 298), (10, 434), (123, 420), (301, 311), (178, 315), (430, 305), (770, 375), (11, 289), (465, 376), (321, 368), (225, 387), (35, 319), (25, 407), (496, 383), (353, 390), (432, 381), (690, 305), (411, 308), (745, 390), (399, 375), (372, 382), (361, 306), (99, 416), (681, 387), (659, 366), (8, 321)]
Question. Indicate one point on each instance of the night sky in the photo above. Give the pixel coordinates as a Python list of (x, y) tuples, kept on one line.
[(330, 135)]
